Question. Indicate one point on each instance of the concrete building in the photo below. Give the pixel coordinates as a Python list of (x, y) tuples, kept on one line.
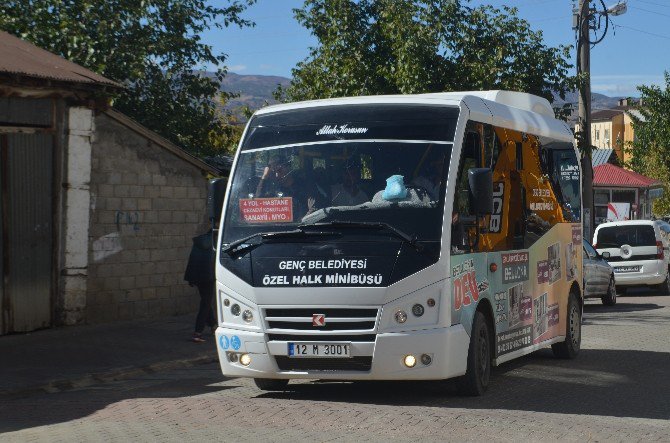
[(96, 212), (613, 129)]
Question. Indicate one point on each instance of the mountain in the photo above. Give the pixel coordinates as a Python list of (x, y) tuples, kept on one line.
[(598, 101), (254, 90)]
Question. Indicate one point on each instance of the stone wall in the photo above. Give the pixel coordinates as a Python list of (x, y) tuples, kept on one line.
[(146, 205)]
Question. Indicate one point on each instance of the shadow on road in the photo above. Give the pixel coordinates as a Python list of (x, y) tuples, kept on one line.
[(598, 382), (47, 409)]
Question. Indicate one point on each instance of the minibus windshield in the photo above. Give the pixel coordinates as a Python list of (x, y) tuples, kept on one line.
[(368, 163), (393, 182)]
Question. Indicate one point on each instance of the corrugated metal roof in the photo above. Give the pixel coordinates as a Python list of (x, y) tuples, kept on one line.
[(23, 58), (600, 156), (610, 175)]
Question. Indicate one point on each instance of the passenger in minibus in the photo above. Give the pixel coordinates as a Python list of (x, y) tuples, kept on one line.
[(348, 191), (431, 175)]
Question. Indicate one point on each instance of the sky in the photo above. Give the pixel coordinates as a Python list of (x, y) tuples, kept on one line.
[(635, 51)]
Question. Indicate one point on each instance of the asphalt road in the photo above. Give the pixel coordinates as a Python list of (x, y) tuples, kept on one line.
[(618, 389)]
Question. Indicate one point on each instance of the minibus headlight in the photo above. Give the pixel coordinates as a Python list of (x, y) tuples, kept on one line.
[(235, 309), (247, 316), (417, 310), (400, 316)]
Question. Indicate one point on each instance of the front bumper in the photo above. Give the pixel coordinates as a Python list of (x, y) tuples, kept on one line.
[(652, 272), (448, 348)]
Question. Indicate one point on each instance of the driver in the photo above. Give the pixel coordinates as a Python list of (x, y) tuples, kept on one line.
[(280, 180)]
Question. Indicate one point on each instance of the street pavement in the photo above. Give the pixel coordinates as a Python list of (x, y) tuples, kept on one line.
[(57, 359), (618, 389)]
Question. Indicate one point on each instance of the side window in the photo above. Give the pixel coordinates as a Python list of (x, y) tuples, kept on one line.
[(462, 218), (470, 158), (506, 228)]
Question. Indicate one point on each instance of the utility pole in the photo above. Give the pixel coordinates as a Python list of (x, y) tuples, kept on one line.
[(584, 75), (585, 21)]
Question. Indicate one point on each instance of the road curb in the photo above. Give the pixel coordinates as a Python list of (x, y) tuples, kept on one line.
[(114, 374)]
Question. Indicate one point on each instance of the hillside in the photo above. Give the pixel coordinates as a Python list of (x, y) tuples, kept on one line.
[(256, 90)]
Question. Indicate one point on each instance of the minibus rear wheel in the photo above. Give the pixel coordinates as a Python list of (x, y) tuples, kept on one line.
[(569, 348), (476, 378), (271, 384)]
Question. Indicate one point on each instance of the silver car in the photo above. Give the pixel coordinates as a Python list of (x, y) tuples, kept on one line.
[(598, 276)]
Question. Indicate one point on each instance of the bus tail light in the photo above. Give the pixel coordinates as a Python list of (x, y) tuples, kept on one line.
[(659, 250)]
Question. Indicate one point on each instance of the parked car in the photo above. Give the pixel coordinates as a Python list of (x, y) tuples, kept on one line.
[(598, 276), (638, 252)]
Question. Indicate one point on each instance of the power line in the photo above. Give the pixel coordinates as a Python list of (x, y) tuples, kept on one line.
[(655, 4), (643, 32), (651, 12), (549, 19)]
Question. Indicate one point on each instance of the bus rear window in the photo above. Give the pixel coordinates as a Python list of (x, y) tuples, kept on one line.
[(633, 235)]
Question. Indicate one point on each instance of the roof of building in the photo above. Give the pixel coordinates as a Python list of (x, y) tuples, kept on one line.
[(610, 175), (162, 142), (605, 114), (19, 57), (601, 156)]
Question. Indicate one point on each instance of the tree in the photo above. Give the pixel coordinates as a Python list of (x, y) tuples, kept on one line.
[(369, 47), (151, 46), (651, 148)]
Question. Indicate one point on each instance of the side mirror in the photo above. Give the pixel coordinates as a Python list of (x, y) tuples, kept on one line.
[(216, 191), (481, 190), (605, 255)]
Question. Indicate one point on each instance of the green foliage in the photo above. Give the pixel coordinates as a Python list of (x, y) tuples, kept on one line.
[(150, 46), (651, 148), (369, 47)]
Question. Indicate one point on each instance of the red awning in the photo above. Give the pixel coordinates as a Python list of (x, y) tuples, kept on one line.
[(610, 175)]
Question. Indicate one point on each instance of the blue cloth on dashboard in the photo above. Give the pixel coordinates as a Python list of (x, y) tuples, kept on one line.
[(395, 188)]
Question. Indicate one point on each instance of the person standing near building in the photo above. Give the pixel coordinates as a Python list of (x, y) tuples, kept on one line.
[(200, 273)]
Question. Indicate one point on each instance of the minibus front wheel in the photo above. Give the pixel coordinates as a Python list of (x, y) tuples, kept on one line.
[(476, 378), (271, 384)]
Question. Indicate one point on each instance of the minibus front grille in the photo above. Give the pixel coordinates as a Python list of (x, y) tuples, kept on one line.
[(324, 364), (343, 326), (317, 320), (328, 312), (364, 338)]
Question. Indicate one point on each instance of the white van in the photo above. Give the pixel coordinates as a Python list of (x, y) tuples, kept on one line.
[(638, 252)]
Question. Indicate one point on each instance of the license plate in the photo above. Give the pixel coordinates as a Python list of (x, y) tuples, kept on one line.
[(621, 269), (319, 350)]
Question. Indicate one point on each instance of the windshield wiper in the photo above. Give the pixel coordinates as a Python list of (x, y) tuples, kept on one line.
[(234, 248), (410, 239)]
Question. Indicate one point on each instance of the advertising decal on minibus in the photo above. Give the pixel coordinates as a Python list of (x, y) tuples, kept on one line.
[(525, 291), (496, 216), (515, 267), (576, 236)]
